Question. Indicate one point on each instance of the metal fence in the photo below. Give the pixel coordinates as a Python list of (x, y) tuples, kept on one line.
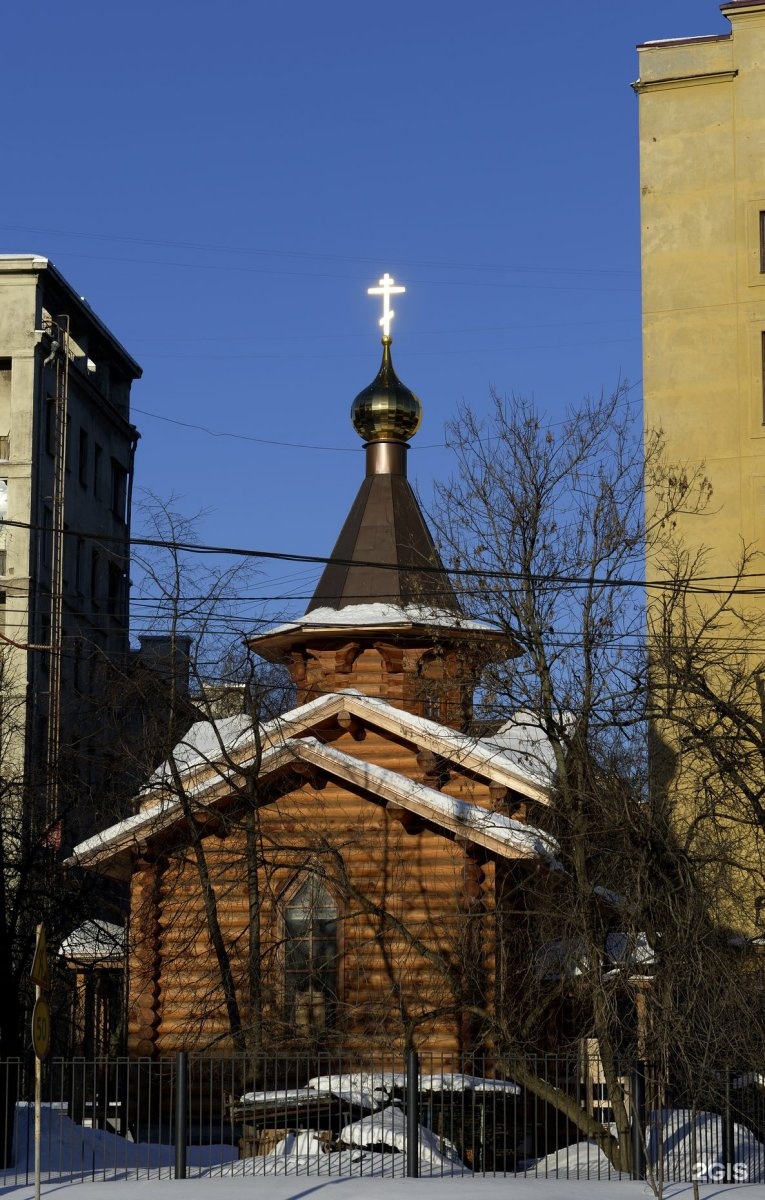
[(196, 1116)]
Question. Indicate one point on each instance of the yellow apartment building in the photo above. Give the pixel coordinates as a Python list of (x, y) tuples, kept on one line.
[(702, 188)]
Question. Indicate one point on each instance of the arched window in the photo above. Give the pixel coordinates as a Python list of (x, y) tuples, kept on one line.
[(310, 960)]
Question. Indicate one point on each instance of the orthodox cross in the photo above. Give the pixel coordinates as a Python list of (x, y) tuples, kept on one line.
[(386, 290)]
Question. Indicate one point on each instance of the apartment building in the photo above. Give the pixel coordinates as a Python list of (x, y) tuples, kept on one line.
[(67, 449)]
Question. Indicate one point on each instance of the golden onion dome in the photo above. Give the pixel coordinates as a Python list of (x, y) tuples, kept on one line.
[(386, 411)]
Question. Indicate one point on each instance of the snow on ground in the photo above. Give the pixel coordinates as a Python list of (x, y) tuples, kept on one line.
[(344, 1188), (371, 1159)]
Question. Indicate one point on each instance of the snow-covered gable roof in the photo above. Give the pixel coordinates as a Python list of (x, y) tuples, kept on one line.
[(94, 942), (523, 740), (499, 834), (214, 754), (518, 759)]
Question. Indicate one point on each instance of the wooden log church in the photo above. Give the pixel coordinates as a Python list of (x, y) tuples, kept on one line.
[(330, 878)]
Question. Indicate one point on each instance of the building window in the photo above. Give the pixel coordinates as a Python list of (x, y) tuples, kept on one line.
[(119, 490), (50, 425), (310, 961), (5, 447), (762, 242), (77, 664), (83, 458), (47, 537), (97, 453), (94, 578), (116, 577), (79, 558)]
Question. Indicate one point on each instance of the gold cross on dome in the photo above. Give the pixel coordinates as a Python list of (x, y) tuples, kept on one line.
[(386, 289)]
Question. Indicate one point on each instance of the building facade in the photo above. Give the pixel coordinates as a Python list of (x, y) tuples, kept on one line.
[(67, 447), (702, 195)]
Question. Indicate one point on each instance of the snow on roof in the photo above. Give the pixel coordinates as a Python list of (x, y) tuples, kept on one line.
[(491, 829), (142, 822), (567, 957), (206, 741), (373, 1089), (442, 810), (506, 747), (94, 941), (523, 740), (518, 748), (151, 817), (631, 948), (214, 741), (681, 41), (365, 615)]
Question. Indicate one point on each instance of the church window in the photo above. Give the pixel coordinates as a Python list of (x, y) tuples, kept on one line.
[(310, 960)]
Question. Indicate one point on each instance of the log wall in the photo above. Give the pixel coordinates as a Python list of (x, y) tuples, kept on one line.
[(415, 911)]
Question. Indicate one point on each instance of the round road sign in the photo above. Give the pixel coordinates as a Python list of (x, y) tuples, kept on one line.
[(41, 1028)]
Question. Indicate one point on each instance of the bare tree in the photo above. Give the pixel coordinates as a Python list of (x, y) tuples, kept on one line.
[(196, 670), (548, 526)]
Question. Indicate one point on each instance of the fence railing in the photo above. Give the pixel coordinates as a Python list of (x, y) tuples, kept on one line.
[(323, 1115)]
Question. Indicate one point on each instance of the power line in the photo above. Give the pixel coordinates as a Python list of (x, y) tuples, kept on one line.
[(246, 437), (688, 583), (271, 252)]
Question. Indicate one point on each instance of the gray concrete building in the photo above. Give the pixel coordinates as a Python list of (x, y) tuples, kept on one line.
[(67, 448)]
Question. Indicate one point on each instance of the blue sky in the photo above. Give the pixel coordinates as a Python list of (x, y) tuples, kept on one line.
[(223, 181)]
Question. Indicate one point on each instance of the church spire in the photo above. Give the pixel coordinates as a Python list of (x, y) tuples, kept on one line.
[(384, 617), (385, 552)]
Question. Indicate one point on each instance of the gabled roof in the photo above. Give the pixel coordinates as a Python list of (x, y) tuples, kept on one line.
[(94, 943), (497, 833), (522, 763), (213, 754)]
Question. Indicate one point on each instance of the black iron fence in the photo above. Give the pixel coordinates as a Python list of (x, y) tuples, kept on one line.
[(553, 1115)]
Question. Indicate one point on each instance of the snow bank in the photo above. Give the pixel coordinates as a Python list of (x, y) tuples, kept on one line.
[(672, 1136), (671, 1144), (72, 1149)]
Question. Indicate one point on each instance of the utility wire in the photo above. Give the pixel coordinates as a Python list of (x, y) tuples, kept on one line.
[(246, 437), (216, 248), (689, 583)]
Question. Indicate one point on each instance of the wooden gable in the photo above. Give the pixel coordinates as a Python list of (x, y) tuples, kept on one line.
[(357, 798)]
